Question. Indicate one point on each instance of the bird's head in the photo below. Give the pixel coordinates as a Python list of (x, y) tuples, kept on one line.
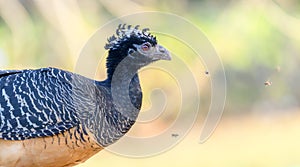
[(138, 47)]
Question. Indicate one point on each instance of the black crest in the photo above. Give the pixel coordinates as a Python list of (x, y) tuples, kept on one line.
[(124, 33)]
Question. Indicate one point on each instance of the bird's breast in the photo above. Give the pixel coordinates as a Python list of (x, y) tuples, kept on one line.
[(55, 151)]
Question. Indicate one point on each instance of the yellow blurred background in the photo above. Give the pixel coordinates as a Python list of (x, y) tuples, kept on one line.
[(257, 41)]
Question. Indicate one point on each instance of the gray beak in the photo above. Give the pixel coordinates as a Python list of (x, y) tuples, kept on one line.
[(161, 53)]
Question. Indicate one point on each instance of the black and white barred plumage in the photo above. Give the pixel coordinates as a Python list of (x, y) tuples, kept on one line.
[(36, 103), (49, 101)]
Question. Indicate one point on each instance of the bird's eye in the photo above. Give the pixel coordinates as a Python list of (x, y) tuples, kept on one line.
[(130, 51), (146, 46)]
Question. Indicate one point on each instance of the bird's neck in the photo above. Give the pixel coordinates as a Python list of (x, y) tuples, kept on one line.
[(125, 89), (124, 101)]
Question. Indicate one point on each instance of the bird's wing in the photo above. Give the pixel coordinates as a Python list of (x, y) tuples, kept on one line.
[(38, 103)]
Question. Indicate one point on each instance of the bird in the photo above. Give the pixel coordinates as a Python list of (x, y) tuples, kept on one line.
[(53, 117)]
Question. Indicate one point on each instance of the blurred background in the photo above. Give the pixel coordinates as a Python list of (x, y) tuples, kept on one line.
[(257, 41)]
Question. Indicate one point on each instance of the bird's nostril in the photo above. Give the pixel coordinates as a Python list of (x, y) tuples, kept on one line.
[(161, 49)]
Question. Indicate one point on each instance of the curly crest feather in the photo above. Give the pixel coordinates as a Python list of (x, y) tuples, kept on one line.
[(124, 32)]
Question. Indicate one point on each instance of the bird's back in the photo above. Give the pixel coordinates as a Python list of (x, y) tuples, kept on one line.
[(42, 112), (36, 103)]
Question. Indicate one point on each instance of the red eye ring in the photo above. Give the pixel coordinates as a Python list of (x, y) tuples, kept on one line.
[(146, 46)]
